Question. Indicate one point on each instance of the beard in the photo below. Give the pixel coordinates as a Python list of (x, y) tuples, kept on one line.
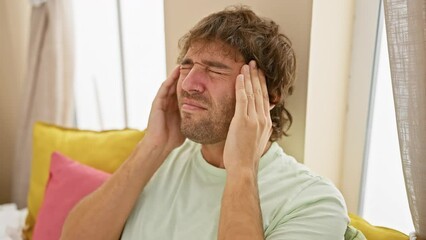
[(209, 126)]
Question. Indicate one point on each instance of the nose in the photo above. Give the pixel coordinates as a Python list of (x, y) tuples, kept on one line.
[(194, 82)]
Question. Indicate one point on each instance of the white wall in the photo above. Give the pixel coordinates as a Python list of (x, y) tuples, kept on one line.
[(14, 20)]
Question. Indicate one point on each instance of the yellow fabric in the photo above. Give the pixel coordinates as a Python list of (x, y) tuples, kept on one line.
[(104, 150), (375, 233)]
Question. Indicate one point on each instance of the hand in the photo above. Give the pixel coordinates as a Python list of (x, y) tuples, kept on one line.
[(251, 126), (164, 119)]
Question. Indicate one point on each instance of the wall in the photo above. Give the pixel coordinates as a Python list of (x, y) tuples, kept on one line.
[(14, 20), (329, 67), (294, 17)]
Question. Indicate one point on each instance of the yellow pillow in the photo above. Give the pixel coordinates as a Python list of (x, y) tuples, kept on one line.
[(375, 233), (104, 150)]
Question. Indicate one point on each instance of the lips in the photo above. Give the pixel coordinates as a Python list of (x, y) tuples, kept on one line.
[(191, 105)]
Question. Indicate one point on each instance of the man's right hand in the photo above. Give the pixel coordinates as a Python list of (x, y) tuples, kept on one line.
[(110, 205), (163, 130)]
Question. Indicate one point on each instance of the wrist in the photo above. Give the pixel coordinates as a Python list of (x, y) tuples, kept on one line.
[(150, 152), (250, 166), (242, 173)]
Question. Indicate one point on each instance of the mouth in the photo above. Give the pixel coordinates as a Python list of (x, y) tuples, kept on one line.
[(191, 106)]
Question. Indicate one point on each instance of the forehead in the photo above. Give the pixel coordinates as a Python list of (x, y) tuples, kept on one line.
[(215, 50)]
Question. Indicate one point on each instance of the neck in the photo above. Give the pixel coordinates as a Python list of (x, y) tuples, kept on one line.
[(213, 153)]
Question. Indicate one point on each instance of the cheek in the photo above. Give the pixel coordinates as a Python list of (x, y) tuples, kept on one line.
[(227, 107), (231, 90), (226, 100)]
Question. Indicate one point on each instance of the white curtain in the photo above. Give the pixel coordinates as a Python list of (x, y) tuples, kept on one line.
[(48, 87), (406, 35)]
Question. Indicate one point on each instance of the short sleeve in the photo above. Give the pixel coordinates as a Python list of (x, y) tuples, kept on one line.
[(318, 212)]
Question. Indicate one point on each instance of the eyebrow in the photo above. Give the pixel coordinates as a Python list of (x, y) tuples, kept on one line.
[(216, 64), (209, 63)]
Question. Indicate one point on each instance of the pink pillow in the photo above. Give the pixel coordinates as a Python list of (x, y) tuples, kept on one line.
[(69, 181)]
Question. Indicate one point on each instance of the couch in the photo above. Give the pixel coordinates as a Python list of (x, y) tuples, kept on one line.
[(67, 164)]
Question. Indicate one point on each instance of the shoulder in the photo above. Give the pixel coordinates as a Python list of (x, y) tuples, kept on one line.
[(281, 171), (296, 198)]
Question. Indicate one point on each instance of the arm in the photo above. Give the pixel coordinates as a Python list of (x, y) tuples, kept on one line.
[(247, 140), (102, 214)]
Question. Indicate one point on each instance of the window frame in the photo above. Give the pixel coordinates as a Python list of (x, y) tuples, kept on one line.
[(360, 86)]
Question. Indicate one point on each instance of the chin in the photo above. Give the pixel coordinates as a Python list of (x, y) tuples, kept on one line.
[(203, 137)]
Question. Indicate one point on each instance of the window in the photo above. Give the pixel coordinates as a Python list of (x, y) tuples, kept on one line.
[(384, 201), (120, 61)]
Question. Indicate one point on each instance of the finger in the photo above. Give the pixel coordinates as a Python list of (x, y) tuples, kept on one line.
[(240, 96), (166, 90), (265, 95), (249, 91), (168, 86), (257, 89)]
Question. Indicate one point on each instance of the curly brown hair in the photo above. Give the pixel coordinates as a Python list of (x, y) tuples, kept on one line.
[(255, 38)]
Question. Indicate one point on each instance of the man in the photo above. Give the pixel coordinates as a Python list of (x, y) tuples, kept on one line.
[(208, 166)]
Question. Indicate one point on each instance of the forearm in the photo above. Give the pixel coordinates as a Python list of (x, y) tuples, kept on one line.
[(241, 216), (102, 214)]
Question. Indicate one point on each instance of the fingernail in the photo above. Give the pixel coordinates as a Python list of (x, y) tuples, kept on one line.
[(246, 67), (253, 63)]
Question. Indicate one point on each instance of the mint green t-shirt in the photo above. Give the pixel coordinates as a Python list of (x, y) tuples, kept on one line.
[(182, 200)]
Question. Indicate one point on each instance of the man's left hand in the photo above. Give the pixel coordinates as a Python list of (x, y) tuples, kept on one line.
[(251, 126)]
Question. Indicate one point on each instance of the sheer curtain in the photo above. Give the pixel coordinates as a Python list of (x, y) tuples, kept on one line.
[(48, 87), (406, 34)]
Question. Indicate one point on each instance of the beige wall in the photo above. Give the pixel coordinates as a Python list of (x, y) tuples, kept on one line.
[(329, 66), (294, 17), (14, 20)]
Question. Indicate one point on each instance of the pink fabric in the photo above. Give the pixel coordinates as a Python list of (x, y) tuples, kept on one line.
[(69, 181)]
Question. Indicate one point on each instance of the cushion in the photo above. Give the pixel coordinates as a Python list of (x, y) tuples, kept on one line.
[(353, 234), (375, 233), (68, 183), (104, 150)]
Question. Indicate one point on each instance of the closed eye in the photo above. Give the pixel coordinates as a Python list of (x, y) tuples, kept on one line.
[(217, 72)]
